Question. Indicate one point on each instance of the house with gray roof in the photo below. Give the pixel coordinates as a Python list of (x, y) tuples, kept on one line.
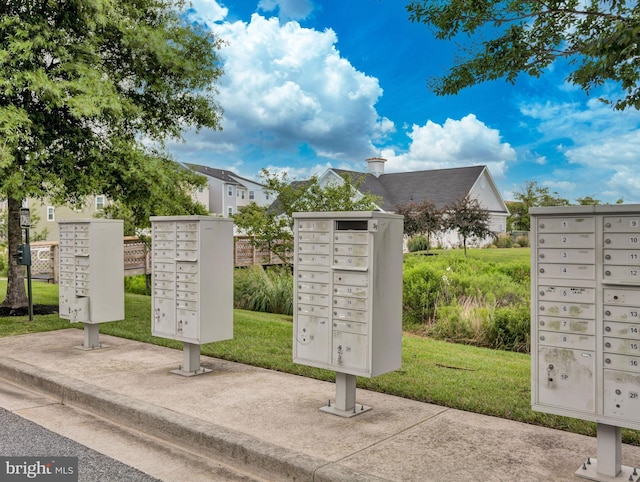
[(440, 186), (226, 192)]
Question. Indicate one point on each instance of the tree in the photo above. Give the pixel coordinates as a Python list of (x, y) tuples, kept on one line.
[(532, 195), (87, 88), (271, 228), (469, 218), (421, 219), (598, 39), (588, 201)]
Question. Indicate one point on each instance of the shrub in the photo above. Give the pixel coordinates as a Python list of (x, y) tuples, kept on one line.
[(139, 284), (510, 329), (523, 241), (418, 243), (503, 241), (268, 290)]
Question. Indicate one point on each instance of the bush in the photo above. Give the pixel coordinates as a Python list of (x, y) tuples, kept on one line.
[(418, 243), (510, 329), (267, 290), (139, 284), (522, 241), (503, 241)]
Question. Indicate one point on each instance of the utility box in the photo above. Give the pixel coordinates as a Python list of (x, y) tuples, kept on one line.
[(585, 315), (91, 270), (348, 292), (192, 258)]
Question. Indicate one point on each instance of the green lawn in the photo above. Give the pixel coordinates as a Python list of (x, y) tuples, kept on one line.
[(490, 382)]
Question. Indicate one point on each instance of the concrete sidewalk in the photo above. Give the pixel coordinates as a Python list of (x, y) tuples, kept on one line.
[(269, 423)]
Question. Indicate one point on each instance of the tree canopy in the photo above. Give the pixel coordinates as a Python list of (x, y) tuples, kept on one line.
[(599, 40), (89, 92)]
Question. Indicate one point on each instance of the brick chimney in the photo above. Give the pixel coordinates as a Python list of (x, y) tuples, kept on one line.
[(375, 165)]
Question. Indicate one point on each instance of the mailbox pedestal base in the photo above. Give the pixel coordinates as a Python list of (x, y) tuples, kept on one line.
[(607, 467), (91, 337), (345, 405), (191, 362)]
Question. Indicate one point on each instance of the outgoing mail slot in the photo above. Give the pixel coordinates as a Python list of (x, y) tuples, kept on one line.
[(566, 225), (351, 315), (317, 288), (586, 327), (319, 276), (568, 255), (566, 240), (350, 279), (567, 310), (312, 298), (622, 362), (313, 310), (622, 330), (621, 296), (621, 346), (621, 273), (622, 240), (621, 224), (352, 303), (571, 271), (350, 327), (629, 314), (351, 249), (572, 294), (313, 248), (567, 340), (354, 262), (313, 259)]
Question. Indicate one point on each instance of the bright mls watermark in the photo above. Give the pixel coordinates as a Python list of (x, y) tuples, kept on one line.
[(50, 469)]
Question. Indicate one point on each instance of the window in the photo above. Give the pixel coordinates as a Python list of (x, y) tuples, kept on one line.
[(230, 211), (99, 203), (200, 189), (266, 196), (242, 196), (252, 195), (230, 190), (51, 213)]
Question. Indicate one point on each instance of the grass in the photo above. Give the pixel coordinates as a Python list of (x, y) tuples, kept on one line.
[(481, 380)]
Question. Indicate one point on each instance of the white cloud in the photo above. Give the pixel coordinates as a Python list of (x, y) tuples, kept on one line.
[(456, 143), (207, 12), (285, 86), (288, 9)]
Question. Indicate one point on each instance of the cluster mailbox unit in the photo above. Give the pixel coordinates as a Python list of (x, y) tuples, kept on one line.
[(192, 299), (585, 323), (348, 297), (91, 274)]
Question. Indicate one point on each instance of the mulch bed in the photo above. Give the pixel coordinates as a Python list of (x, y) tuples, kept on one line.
[(37, 310)]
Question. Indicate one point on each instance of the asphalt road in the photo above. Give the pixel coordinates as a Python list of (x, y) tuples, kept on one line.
[(23, 438)]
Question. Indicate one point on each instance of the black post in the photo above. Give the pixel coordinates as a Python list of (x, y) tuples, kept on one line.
[(29, 290)]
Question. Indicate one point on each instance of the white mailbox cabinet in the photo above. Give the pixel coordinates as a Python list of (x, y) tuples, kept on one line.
[(91, 270), (192, 266), (585, 317), (348, 292)]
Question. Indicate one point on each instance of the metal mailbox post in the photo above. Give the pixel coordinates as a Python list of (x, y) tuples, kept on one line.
[(348, 297), (585, 323)]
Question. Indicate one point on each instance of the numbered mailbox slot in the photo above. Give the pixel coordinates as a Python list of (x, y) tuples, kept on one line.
[(187, 324), (622, 256), (572, 240), (351, 249), (350, 291), (164, 293), (566, 225), (191, 268), (313, 298), (350, 303), (569, 271), (186, 235), (621, 273), (629, 314), (162, 284), (190, 295), (567, 340), (314, 288), (621, 224), (162, 276), (187, 277), (164, 227), (187, 305), (312, 338), (313, 259), (622, 240), (622, 394), (315, 276), (351, 262), (567, 310), (622, 330), (313, 225), (621, 346), (313, 310), (349, 314), (622, 362), (350, 279), (586, 327), (313, 237), (574, 294), (313, 248), (578, 256), (349, 350), (566, 378), (163, 316), (350, 327), (621, 296)]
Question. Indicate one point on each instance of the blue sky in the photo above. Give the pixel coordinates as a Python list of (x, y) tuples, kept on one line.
[(315, 84)]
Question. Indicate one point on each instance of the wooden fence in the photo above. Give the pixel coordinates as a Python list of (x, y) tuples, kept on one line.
[(137, 259)]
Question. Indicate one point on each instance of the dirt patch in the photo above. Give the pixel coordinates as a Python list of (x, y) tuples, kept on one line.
[(37, 310)]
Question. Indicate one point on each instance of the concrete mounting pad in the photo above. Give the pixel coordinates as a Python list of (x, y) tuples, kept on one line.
[(269, 422)]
